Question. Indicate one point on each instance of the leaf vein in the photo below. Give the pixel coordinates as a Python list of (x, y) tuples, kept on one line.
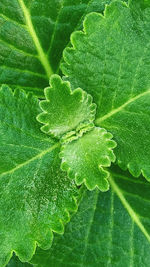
[(54, 30), (31, 30), (38, 156), (25, 71), (135, 217), (113, 112), (18, 49), (13, 21), (89, 226)]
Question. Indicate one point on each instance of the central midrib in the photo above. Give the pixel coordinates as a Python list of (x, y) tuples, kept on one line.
[(42, 56), (115, 111), (40, 155)]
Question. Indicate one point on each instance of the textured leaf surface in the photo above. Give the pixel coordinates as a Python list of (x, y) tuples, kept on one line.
[(65, 110), (111, 61), (35, 195), (86, 158), (109, 229), (33, 35)]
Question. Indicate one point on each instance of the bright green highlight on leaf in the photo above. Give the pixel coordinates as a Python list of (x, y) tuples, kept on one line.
[(86, 150), (64, 110), (36, 196), (85, 159), (110, 60)]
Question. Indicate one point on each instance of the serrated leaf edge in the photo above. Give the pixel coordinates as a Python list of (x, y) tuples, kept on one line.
[(65, 167), (67, 62), (84, 97)]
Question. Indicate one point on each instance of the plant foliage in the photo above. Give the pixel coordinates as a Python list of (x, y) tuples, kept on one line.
[(109, 228), (74, 117)]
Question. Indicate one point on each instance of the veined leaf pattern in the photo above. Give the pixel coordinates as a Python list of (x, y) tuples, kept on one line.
[(110, 60), (36, 196), (109, 229), (33, 35)]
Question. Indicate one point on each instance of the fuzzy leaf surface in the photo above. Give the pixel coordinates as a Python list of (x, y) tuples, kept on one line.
[(33, 35), (35, 196), (109, 229), (87, 158), (64, 110), (111, 61)]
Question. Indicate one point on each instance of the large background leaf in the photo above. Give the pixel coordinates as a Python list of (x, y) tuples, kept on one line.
[(35, 196), (110, 229), (33, 35), (111, 61)]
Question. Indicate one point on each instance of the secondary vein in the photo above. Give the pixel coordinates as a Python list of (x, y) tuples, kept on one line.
[(40, 155), (129, 209), (114, 111)]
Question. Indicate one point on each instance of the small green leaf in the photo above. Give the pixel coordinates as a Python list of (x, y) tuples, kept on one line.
[(111, 61), (68, 116), (35, 195), (64, 110), (109, 229), (86, 158)]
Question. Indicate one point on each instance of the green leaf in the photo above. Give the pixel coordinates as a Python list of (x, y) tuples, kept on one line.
[(86, 158), (68, 116), (111, 61), (65, 110), (33, 35), (109, 229), (36, 196)]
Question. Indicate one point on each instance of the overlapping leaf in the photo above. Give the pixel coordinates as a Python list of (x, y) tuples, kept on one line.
[(33, 35), (86, 158), (64, 110), (111, 61), (109, 229), (35, 195), (86, 150)]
